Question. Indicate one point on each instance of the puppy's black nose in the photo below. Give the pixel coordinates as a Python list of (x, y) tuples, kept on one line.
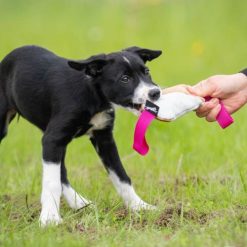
[(154, 94)]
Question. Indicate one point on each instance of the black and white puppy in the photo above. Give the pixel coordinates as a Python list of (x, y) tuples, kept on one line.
[(67, 99)]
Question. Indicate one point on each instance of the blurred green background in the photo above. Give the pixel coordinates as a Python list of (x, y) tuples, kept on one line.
[(198, 38)]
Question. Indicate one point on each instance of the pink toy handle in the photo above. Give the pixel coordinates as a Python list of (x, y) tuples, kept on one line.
[(223, 118), (140, 143)]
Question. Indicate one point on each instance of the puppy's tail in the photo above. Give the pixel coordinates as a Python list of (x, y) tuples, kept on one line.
[(3, 110)]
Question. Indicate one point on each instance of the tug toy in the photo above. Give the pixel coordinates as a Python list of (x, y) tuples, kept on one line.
[(169, 107)]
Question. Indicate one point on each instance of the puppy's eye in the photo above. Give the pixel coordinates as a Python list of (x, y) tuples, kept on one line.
[(125, 79), (146, 71)]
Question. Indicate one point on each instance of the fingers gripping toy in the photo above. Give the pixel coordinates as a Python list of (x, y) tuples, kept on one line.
[(168, 108)]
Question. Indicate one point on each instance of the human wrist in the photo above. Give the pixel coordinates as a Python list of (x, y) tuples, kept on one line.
[(243, 78)]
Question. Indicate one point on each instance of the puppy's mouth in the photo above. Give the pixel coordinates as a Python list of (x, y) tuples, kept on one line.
[(136, 106)]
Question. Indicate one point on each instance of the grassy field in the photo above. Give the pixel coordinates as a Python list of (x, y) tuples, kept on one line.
[(195, 172)]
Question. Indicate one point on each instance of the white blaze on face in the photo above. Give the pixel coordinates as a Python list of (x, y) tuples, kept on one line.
[(126, 60), (141, 92)]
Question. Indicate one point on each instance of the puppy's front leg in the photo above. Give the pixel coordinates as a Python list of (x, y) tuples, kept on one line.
[(106, 148)]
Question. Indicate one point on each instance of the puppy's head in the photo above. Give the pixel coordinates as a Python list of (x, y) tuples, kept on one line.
[(123, 77)]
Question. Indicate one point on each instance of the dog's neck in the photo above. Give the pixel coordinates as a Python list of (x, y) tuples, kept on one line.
[(102, 101)]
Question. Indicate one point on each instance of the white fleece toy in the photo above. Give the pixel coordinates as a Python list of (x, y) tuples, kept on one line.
[(169, 107), (174, 105)]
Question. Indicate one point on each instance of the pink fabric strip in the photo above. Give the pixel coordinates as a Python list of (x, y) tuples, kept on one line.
[(223, 118), (140, 143)]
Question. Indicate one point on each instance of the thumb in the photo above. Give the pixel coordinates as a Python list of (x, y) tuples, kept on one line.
[(202, 89)]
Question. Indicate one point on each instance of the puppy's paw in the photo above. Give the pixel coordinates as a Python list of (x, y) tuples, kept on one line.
[(79, 202), (49, 217), (141, 205), (74, 199)]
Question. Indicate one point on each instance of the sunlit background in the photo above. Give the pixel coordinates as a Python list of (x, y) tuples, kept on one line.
[(198, 38)]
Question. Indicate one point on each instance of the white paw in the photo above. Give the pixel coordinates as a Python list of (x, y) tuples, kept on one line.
[(75, 200), (141, 205), (79, 202), (49, 217)]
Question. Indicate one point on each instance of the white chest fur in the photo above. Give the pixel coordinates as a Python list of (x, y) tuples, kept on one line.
[(99, 121)]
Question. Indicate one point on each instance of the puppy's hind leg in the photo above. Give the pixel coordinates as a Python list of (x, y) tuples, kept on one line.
[(74, 199)]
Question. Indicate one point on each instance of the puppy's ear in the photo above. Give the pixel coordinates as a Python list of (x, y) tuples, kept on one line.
[(144, 54), (92, 66)]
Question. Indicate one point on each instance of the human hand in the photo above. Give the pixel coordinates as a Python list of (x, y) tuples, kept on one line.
[(230, 89)]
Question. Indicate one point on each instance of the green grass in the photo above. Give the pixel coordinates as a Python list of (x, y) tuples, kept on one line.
[(195, 172)]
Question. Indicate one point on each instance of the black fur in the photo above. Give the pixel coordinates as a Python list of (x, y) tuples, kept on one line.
[(61, 96)]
